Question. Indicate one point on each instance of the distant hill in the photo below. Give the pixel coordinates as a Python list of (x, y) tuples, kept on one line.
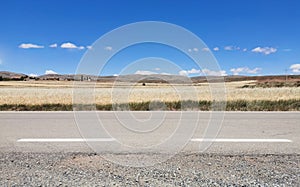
[(156, 78), (76, 78), (6, 75)]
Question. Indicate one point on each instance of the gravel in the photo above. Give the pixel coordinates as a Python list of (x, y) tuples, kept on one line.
[(83, 169)]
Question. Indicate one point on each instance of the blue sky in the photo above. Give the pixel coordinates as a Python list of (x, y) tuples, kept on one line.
[(247, 37)]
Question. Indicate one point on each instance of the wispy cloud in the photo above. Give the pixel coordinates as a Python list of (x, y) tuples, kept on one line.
[(53, 45), (69, 45), (295, 68), (287, 50), (264, 50), (89, 47), (30, 46), (237, 71), (48, 72)]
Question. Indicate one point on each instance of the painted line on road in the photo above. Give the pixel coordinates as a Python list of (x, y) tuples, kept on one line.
[(233, 140), (66, 140), (217, 140)]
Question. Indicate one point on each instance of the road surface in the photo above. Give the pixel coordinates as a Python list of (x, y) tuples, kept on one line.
[(240, 133), (250, 149)]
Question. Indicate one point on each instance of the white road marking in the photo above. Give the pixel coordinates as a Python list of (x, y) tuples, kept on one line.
[(66, 140), (220, 140), (233, 140)]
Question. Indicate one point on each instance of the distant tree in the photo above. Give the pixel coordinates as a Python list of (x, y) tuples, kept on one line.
[(1, 79)]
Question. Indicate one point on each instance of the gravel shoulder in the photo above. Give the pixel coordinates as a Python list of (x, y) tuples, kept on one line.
[(86, 169)]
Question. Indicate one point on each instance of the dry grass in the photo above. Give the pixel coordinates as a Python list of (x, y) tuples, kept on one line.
[(51, 92)]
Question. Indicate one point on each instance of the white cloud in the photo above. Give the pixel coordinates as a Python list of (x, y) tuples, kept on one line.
[(214, 73), (47, 72), (245, 49), (194, 71), (30, 46), (89, 47), (195, 49), (188, 72), (53, 45), (206, 49), (33, 75), (216, 49), (295, 68), (68, 45), (229, 48), (183, 73), (164, 73), (254, 71), (145, 72), (108, 48), (237, 71), (156, 69), (203, 72), (264, 50)]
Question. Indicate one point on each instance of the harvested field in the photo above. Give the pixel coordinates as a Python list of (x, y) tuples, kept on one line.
[(61, 92)]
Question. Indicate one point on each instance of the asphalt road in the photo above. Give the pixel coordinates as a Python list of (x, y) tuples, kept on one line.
[(250, 149), (240, 133)]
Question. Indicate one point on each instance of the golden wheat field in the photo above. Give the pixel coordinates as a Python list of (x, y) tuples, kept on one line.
[(61, 92)]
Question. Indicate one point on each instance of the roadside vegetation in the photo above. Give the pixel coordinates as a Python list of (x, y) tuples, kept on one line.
[(239, 105)]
